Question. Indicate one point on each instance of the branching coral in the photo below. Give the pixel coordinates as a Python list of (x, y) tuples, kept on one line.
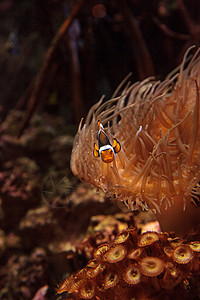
[(157, 124), (115, 273)]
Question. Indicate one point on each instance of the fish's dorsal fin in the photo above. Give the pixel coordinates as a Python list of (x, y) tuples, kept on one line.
[(100, 125)]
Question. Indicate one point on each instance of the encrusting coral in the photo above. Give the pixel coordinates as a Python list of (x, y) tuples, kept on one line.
[(157, 124), (137, 265)]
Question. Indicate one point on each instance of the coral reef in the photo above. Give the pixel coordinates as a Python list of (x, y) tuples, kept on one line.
[(40, 238), (51, 225), (157, 125), (38, 227), (19, 188), (135, 266)]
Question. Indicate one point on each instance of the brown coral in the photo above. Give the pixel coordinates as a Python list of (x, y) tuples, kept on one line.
[(113, 272), (157, 125)]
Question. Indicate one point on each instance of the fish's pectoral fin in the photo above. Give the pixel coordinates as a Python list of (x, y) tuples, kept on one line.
[(96, 150), (116, 145)]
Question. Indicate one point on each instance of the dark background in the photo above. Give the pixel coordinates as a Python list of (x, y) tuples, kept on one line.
[(103, 44)]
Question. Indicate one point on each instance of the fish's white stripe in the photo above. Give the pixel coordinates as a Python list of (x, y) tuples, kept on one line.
[(106, 147)]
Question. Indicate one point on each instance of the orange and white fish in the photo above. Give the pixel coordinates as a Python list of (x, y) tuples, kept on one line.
[(104, 149)]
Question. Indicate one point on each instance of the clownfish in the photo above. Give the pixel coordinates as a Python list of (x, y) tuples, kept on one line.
[(105, 150)]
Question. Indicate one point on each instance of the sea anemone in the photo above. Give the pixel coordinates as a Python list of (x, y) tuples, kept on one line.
[(158, 127), (87, 290), (115, 254), (135, 253), (122, 237), (151, 266), (111, 279), (94, 269), (101, 249), (148, 238), (182, 254), (195, 246), (132, 274)]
